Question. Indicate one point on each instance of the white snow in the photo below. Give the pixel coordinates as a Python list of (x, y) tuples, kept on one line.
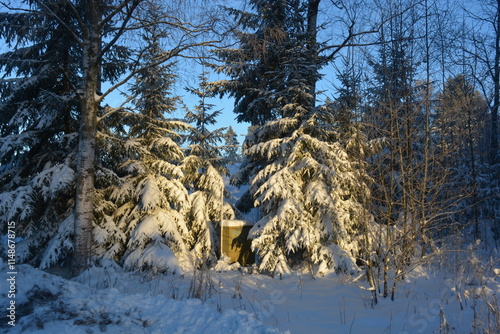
[(107, 299), (62, 241), (156, 255), (236, 223), (459, 295)]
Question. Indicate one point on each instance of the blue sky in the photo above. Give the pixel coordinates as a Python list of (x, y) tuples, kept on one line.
[(225, 105)]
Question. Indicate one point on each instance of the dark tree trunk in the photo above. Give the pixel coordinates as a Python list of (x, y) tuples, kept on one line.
[(312, 30), (496, 101)]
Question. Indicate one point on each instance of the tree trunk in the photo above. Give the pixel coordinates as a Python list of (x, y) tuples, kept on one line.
[(496, 101), (312, 30), (427, 129), (84, 202)]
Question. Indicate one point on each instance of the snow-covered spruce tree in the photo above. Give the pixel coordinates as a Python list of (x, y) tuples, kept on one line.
[(308, 194), (231, 148), (269, 62), (204, 168), (53, 80), (320, 183), (302, 178), (38, 129), (142, 219)]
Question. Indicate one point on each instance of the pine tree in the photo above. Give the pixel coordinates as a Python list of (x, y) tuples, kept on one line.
[(309, 194), (52, 100), (96, 28), (231, 148), (39, 120), (143, 218), (268, 72), (204, 168), (301, 176), (261, 69), (203, 142)]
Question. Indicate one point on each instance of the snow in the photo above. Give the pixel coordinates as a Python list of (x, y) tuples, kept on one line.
[(445, 297), (108, 299), (55, 305), (155, 227), (62, 241), (236, 223), (151, 195), (155, 255)]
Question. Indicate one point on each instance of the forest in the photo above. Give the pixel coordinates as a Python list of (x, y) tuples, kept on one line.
[(372, 137)]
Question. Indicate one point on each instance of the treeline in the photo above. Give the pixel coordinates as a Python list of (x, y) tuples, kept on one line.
[(374, 137)]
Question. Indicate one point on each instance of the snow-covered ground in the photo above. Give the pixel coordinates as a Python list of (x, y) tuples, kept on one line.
[(107, 299)]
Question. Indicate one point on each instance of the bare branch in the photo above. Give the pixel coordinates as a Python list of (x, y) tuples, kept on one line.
[(123, 26)]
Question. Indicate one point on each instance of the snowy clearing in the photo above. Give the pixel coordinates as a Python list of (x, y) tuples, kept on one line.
[(107, 299)]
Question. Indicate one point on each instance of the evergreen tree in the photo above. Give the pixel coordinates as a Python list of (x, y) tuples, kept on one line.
[(270, 78), (301, 177), (261, 69), (231, 148), (308, 197), (143, 218), (95, 28), (204, 167), (49, 44), (203, 142), (38, 125), (460, 121)]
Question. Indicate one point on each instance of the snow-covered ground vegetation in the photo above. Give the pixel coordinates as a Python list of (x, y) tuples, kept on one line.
[(462, 298)]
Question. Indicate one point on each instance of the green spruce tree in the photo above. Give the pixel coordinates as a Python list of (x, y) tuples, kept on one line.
[(142, 217), (204, 167), (39, 117), (300, 174)]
